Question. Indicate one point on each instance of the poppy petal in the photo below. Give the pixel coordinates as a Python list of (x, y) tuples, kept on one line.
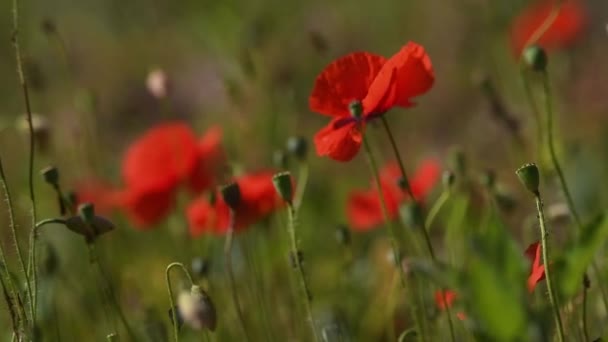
[(537, 270), (343, 81), (567, 26), (424, 180), (364, 210), (339, 142), (148, 206), (210, 163), (405, 75)]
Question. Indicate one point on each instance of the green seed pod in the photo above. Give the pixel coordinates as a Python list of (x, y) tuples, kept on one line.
[(50, 175), (87, 212), (535, 58), (283, 186), (298, 147), (411, 213), (448, 178), (530, 177)]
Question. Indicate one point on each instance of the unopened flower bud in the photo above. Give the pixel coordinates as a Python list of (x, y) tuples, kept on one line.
[(157, 83), (283, 186), (356, 109), (50, 175), (343, 235), (200, 266), (87, 212), (448, 179), (196, 309), (411, 213), (402, 183), (231, 194), (112, 337), (586, 281), (488, 179), (48, 26), (298, 147), (530, 177), (535, 58), (280, 159), (457, 161)]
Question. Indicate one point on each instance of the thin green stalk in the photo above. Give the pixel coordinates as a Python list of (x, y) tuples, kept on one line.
[(437, 206), (13, 229), (305, 293), (110, 292), (228, 259), (302, 182), (562, 178), (424, 229), (535, 112), (584, 314), (545, 252), (170, 292), (26, 98)]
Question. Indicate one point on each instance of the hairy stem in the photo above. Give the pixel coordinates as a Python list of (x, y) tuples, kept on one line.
[(170, 292)]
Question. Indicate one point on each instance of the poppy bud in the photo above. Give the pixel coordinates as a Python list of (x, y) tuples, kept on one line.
[(157, 83), (48, 26), (196, 309), (488, 179), (535, 58), (586, 281), (112, 337), (280, 159), (50, 175), (231, 194), (448, 179), (178, 316), (87, 212), (40, 127), (343, 235), (401, 183), (457, 161), (318, 42), (298, 147), (200, 266), (411, 214), (356, 109), (529, 176), (283, 185)]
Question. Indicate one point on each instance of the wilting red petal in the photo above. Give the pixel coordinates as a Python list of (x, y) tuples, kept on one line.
[(147, 206), (424, 180), (537, 270), (165, 153), (210, 162), (565, 29), (405, 75), (364, 210), (343, 81), (339, 142)]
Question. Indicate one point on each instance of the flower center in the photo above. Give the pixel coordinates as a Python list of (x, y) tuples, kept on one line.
[(356, 109)]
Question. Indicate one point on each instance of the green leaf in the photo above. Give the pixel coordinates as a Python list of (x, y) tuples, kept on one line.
[(573, 264)]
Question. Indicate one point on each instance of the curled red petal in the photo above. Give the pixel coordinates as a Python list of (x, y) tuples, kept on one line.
[(426, 177), (344, 80), (407, 74), (166, 153), (566, 28), (338, 141), (537, 269)]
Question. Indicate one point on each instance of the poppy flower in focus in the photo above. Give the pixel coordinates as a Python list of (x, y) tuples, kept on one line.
[(445, 299), (363, 207), (361, 86), (258, 200), (537, 271), (565, 29), (153, 169)]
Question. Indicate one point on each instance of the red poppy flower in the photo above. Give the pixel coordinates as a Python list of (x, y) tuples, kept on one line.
[(445, 299), (563, 31), (154, 167), (258, 200), (377, 83), (364, 209), (537, 271)]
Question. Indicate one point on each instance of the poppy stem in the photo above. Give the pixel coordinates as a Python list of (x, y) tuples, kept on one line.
[(545, 251), (584, 313), (296, 259), (436, 208), (229, 269), (170, 292), (13, 229), (562, 178), (536, 113), (32, 294), (302, 182), (424, 229)]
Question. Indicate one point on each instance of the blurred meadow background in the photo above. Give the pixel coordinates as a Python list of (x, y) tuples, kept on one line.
[(102, 73)]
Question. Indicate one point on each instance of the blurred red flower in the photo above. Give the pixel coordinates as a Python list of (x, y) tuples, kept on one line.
[(377, 83), (445, 299), (154, 167), (364, 209), (567, 26), (537, 271), (258, 200)]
